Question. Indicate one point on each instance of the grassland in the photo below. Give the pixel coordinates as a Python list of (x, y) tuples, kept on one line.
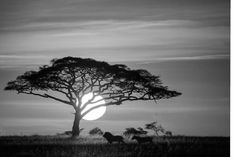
[(54, 146)]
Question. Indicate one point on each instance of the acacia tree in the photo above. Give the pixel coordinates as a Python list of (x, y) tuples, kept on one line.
[(68, 79), (157, 128), (133, 131)]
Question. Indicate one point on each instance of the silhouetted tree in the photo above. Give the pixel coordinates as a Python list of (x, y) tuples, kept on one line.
[(142, 131), (168, 133), (68, 79), (157, 128), (133, 131), (96, 131)]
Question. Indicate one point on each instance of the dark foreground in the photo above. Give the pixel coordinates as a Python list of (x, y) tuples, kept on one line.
[(49, 146)]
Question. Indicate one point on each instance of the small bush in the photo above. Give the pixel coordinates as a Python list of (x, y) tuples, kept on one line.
[(96, 131)]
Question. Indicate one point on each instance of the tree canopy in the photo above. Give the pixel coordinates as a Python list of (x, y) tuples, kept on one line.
[(157, 128), (68, 79), (133, 131), (73, 77)]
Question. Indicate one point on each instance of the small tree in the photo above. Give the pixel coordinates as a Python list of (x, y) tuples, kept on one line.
[(133, 131), (168, 133), (142, 131), (96, 131), (157, 128), (68, 79)]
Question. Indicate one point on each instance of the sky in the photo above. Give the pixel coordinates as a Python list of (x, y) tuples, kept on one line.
[(185, 42)]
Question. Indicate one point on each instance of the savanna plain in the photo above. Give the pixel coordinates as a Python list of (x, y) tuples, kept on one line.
[(59, 146)]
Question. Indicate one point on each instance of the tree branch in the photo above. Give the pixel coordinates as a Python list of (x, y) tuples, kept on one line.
[(48, 96), (88, 102), (57, 99), (95, 107)]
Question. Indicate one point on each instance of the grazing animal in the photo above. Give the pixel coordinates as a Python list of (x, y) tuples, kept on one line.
[(111, 138), (141, 140)]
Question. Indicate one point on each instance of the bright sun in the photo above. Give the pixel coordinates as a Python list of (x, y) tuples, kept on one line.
[(96, 113)]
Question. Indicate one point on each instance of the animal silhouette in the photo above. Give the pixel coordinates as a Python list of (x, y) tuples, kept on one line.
[(111, 138)]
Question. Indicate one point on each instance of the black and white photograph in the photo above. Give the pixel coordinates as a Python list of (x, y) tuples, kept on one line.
[(115, 78)]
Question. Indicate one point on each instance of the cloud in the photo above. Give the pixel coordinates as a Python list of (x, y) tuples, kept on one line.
[(20, 56), (27, 12), (203, 57), (149, 31), (17, 61), (111, 33)]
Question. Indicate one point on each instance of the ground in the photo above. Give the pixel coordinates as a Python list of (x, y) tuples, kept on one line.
[(57, 146)]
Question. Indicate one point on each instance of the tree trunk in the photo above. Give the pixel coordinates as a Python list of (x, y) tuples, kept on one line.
[(76, 123)]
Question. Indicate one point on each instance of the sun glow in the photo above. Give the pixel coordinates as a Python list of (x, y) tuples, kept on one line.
[(96, 113)]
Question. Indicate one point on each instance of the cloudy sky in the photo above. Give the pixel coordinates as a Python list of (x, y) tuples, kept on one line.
[(186, 42)]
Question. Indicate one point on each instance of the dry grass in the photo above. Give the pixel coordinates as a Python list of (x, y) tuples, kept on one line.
[(54, 146)]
